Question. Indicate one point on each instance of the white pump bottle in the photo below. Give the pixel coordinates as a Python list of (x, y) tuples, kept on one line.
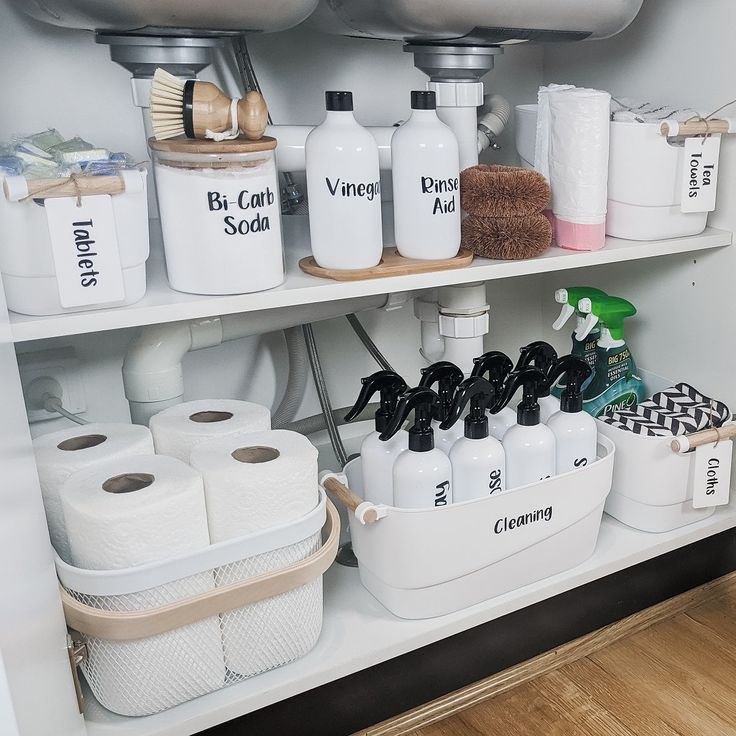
[(378, 457), (575, 431), (426, 183), (530, 446), (422, 474), (478, 460), (344, 188)]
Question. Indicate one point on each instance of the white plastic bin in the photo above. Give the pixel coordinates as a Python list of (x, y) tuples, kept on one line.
[(26, 258), (652, 489), (148, 630), (421, 563), (645, 173)]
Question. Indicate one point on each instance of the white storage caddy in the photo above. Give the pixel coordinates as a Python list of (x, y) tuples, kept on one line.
[(652, 485), (276, 608), (26, 258), (645, 172), (421, 563)]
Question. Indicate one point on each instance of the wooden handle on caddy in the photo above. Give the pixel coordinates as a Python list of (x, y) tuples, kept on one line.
[(72, 186), (697, 127), (705, 437), (348, 499), (142, 624)]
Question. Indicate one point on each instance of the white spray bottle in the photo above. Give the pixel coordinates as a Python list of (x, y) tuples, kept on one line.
[(529, 444), (575, 431), (543, 356), (478, 460), (497, 366), (422, 474), (377, 458), (448, 377)]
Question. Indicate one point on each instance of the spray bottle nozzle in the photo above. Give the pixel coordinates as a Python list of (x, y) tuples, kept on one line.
[(540, 355), (496, 365), (534, 382), (390, 385), (448, 377), (481, 395), (577, 372), (569, 298), (423, 402), (610, 311)]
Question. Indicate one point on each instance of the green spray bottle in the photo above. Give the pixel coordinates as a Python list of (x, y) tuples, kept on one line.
[(584, 349), (615, 385)]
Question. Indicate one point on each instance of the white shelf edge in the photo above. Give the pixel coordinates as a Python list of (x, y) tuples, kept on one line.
[(359, 633), (162, 304)]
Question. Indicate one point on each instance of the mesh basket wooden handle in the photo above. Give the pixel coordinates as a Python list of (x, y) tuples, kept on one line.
[(142, 624)]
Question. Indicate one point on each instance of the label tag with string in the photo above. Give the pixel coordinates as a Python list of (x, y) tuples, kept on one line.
[(700, 174), (711, 474), (84, 244)]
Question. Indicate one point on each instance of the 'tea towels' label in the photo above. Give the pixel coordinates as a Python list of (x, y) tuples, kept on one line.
[(712, 474), (84, 245), (700, 174)]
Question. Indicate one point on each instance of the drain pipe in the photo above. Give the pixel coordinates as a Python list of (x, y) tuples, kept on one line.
[(152, 370)]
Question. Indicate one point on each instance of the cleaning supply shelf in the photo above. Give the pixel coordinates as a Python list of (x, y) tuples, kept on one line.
[(162, 304), (359, 633)]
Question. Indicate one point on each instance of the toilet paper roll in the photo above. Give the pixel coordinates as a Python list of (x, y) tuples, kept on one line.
[(128, 512), (177, 430), (59, 454), (257, 480), (252, 482)]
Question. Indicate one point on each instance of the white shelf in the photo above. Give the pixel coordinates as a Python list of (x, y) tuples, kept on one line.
[(359, 633), (162, 304)]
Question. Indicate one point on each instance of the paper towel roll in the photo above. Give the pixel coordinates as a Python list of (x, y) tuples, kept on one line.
[(59, 454), (252, 482), (178, 429), (257, 480), (133, 511)]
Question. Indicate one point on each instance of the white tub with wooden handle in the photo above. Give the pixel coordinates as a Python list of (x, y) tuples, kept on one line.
[(421, 563), (281, 592)]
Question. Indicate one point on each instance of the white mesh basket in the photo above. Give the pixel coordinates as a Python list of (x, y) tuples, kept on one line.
[(160, 634)]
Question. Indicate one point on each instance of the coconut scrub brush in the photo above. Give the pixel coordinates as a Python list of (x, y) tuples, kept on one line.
[(202, 110)]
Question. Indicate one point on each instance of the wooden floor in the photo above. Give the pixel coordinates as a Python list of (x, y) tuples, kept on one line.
[(675, 678)]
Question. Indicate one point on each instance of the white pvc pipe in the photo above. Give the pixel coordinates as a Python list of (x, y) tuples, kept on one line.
[(152, 370), (464, 124), (291, 139)]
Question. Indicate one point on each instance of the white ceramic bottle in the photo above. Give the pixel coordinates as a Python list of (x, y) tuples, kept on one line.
[(423, 474), (377, 457), (478, 460), (344, 189), (497, 366), (426, 181), (529, 444), (448, 377), (575, 431)]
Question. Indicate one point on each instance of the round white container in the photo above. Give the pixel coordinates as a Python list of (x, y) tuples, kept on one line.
[(220, 214)]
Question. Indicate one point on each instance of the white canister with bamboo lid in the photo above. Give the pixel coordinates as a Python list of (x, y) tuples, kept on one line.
[(220, 214)]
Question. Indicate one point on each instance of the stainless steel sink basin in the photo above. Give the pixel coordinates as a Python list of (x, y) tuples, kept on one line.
[(475, 21), (162, 16)]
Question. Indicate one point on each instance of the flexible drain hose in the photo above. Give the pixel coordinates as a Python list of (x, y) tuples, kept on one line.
[(297, 381), (370, 346)]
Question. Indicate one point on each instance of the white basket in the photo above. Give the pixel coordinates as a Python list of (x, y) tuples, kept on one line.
[(644, 183), (160, 634), (26, 259), (421, 563)]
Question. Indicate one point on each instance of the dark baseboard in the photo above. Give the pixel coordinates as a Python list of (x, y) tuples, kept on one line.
[(345, 706)]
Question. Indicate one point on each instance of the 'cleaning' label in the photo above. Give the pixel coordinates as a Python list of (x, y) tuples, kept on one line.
[(700, 175), (712, 474), (84, 244)]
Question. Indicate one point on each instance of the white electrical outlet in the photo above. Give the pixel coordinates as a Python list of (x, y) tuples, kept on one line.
[(59, 365)]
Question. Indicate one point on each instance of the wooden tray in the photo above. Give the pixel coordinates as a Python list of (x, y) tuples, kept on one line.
[(392, 264)]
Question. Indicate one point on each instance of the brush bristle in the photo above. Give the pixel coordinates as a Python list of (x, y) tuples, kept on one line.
[(167, 105)]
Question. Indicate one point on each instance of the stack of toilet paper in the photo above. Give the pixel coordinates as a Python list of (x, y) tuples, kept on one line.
[(573, 127), (113, 504)]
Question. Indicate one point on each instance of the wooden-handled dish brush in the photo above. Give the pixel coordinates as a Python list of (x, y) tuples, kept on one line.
[(202, 110)]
